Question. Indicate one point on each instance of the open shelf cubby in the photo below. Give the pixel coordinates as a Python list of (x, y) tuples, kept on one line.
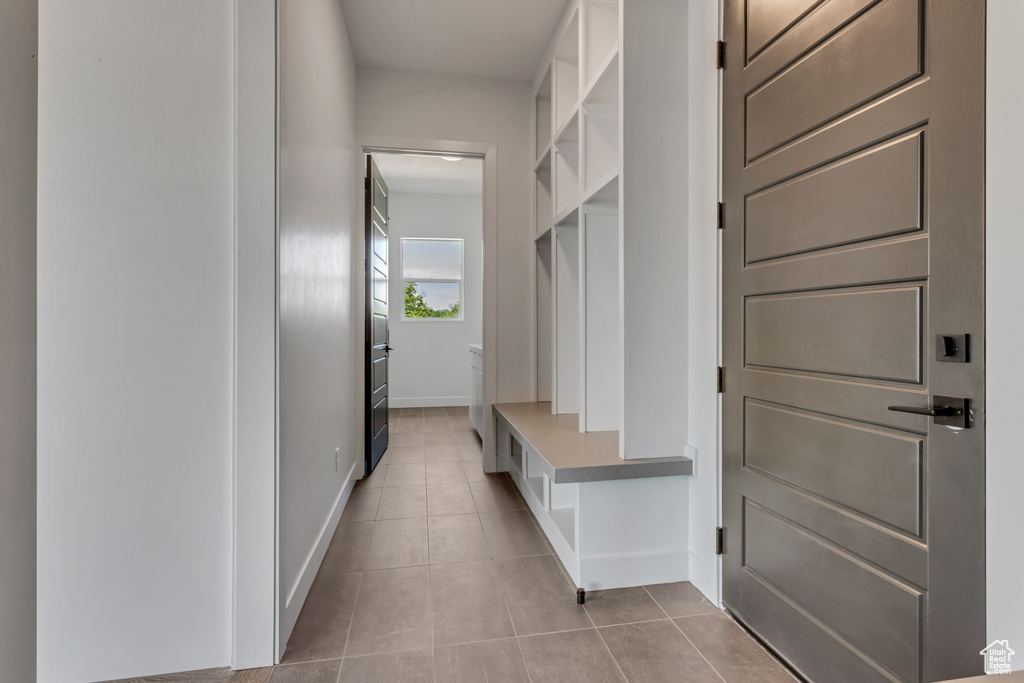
[(600, 35), (543, 197), (567, 166), (601, 127), (545, 319), (544, 115), (601, 408), (566, 278), (567, 72)]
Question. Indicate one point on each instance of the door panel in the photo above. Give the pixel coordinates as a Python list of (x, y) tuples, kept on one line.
[(875, 611), (768, 19), (867, 58), (376, 315), (866, 333), (880, 476), (853, 182), (876, 193)]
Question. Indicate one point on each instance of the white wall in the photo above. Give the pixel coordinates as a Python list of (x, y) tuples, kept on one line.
[(320, 318), (1004, 325), (18, 40), (405, 104), (430, 362), (134, 337)]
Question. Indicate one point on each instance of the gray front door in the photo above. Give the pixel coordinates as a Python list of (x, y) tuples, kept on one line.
[(377, 348), (853, 176)]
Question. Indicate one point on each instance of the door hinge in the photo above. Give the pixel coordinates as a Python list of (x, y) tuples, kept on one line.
[(366, 181), (720, 54), (721, 379), (719, 541), (721, 215)]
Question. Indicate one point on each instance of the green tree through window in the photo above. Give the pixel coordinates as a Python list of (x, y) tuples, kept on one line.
[(416, 306)]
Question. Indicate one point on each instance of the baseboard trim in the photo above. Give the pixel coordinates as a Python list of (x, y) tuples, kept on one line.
[(428, 402), (300, 589)]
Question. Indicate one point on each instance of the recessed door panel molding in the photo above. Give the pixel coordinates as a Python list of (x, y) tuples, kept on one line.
[(874, 612), (879, 475), (769, 19), (872, 194), (865, 333), (853, 138), (874, 54)]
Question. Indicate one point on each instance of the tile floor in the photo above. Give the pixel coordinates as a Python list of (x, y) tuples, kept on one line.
[(438, 572)]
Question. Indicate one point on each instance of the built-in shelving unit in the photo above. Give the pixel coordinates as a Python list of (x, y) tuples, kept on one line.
[(609, 175), (594, 507), (566, 69)]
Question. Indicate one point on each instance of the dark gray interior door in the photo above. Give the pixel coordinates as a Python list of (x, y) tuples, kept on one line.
[(853, 182), (376, 315)]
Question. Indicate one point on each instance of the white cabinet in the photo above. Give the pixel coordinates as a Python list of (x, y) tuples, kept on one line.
[(476, 387)]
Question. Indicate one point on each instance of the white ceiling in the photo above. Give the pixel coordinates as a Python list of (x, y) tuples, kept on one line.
[(486, 38), (431, 174)]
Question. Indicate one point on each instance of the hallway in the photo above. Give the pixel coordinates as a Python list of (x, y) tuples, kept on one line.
[(438, 572)]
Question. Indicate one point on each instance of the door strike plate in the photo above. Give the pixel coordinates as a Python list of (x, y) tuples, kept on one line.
[(952, 348)]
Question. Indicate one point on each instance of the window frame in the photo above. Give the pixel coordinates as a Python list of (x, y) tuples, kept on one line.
[(460, 281)]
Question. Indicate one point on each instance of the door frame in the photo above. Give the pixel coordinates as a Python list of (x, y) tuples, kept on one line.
[(489, 153)]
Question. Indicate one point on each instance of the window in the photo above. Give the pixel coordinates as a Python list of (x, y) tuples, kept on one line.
[(432, 276)]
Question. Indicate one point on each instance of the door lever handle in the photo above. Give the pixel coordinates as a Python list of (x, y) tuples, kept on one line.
[(947, 410), (937, 411)]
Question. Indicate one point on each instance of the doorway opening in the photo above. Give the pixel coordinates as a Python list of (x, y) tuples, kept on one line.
[(424, 298)]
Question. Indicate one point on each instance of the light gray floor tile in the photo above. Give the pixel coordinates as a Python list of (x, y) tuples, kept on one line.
[(474, 470), (464, 605), (376, 478), (399, 502), (493, 495), (392, 612), (461, 424), (681, 599), (570, 657), (436, 425), (404, 455), (734, 654), (456, 538), (403, 440), (512, 534), (410, 425), (442, 453), (438, 439), (445, 473), (539, 597), (494, 661), (347, 550), (622, 606), (414, 666), (471, 452), (309, 672), (466, 437), (435, 411), (410, 474), (361, 505), (450, 499), (412, 412), (656, 652), (457, 411), (397, 543), (323, 623)]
